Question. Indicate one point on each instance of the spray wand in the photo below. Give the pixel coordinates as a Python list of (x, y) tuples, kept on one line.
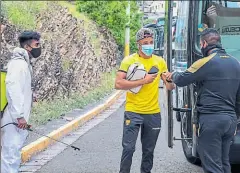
[(31, 130)]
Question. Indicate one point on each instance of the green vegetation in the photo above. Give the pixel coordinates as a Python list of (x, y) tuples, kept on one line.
[(89, 26), (23, 13), (48, 110), (75, 13), (112, 14), (65, 64)]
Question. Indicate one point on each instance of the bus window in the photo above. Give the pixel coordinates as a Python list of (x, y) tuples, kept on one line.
[(181, 37), (160, 22), (225, 17), (156, 36)]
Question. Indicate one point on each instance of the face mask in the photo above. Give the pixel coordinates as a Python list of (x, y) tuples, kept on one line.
[(36, 52), (208, 48), (204, 51), (148, 49)]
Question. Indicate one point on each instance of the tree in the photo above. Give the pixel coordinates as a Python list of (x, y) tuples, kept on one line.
[(112, 14)]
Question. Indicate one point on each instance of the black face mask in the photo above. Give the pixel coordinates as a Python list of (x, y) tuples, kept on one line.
[(36, 52), (208, 48)]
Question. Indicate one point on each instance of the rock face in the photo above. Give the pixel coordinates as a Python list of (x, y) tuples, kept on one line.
[(75, 53)]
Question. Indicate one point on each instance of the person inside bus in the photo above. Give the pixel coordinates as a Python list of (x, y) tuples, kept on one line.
[(212, 12), (218, 105), (209, 19), (142, 109)]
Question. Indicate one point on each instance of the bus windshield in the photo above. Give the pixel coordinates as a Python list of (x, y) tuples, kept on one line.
[(225, 17)]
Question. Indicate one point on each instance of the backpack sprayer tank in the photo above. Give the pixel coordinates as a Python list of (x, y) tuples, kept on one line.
[(3, 96)]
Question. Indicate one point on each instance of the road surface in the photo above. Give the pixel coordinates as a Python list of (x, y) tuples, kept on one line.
[(101, 152)]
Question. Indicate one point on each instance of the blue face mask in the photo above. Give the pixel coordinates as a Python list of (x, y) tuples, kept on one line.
[(148, 49)]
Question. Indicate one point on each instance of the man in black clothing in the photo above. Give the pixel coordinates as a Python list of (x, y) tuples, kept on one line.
[(218, 104)]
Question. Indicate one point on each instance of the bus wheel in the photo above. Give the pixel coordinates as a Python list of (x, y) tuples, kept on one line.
[(186, 132)]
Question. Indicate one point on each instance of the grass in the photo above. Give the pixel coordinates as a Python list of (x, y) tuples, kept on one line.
[(23, 13), (49, 110), (74, 12), (65, 64)]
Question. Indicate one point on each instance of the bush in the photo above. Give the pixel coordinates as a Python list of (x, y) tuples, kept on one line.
[(112, 14)]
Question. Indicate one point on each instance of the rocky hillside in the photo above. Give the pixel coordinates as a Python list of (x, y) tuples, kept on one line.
[(75, 52)]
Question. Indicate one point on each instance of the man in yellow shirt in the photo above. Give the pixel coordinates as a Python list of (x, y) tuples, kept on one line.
[(142, 109)]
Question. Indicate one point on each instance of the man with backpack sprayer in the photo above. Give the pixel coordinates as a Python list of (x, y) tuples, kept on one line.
[(19, 96)]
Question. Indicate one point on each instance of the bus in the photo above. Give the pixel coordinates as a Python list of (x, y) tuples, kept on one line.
[(192, 18)]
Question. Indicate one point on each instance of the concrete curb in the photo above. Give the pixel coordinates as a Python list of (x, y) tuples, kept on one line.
[(43, 142)]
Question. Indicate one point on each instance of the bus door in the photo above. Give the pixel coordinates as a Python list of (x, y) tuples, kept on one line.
[(167, 104), (181, 108)]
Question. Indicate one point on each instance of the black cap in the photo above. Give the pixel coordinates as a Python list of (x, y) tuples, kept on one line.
[(28, 35)]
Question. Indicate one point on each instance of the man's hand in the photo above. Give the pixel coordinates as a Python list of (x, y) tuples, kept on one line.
[(168, 76), (212, 12), (149, 78), (212, 15), (22, 124), (167, 79)]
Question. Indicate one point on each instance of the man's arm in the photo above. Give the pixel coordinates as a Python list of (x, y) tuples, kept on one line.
[(163, 66), (15, 81), (122, 84), (182, 79), (195, 73), (169, 86)]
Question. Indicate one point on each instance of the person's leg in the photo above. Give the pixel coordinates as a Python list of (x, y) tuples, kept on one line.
[(132, 122), (210, 144), (12, 141), (227, 139), (149, 135)]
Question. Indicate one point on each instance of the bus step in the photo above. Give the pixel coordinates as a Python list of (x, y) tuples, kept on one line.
[(175, 139), (182, 109)]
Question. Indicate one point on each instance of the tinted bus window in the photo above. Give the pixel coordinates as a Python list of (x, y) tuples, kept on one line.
[(181, 37), (225, 17)]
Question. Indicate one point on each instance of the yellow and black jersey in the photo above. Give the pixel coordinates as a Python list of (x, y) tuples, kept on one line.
[(218, 78), (146, 100)]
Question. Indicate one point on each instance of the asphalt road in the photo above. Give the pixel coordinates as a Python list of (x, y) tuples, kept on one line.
[(101, 152)]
